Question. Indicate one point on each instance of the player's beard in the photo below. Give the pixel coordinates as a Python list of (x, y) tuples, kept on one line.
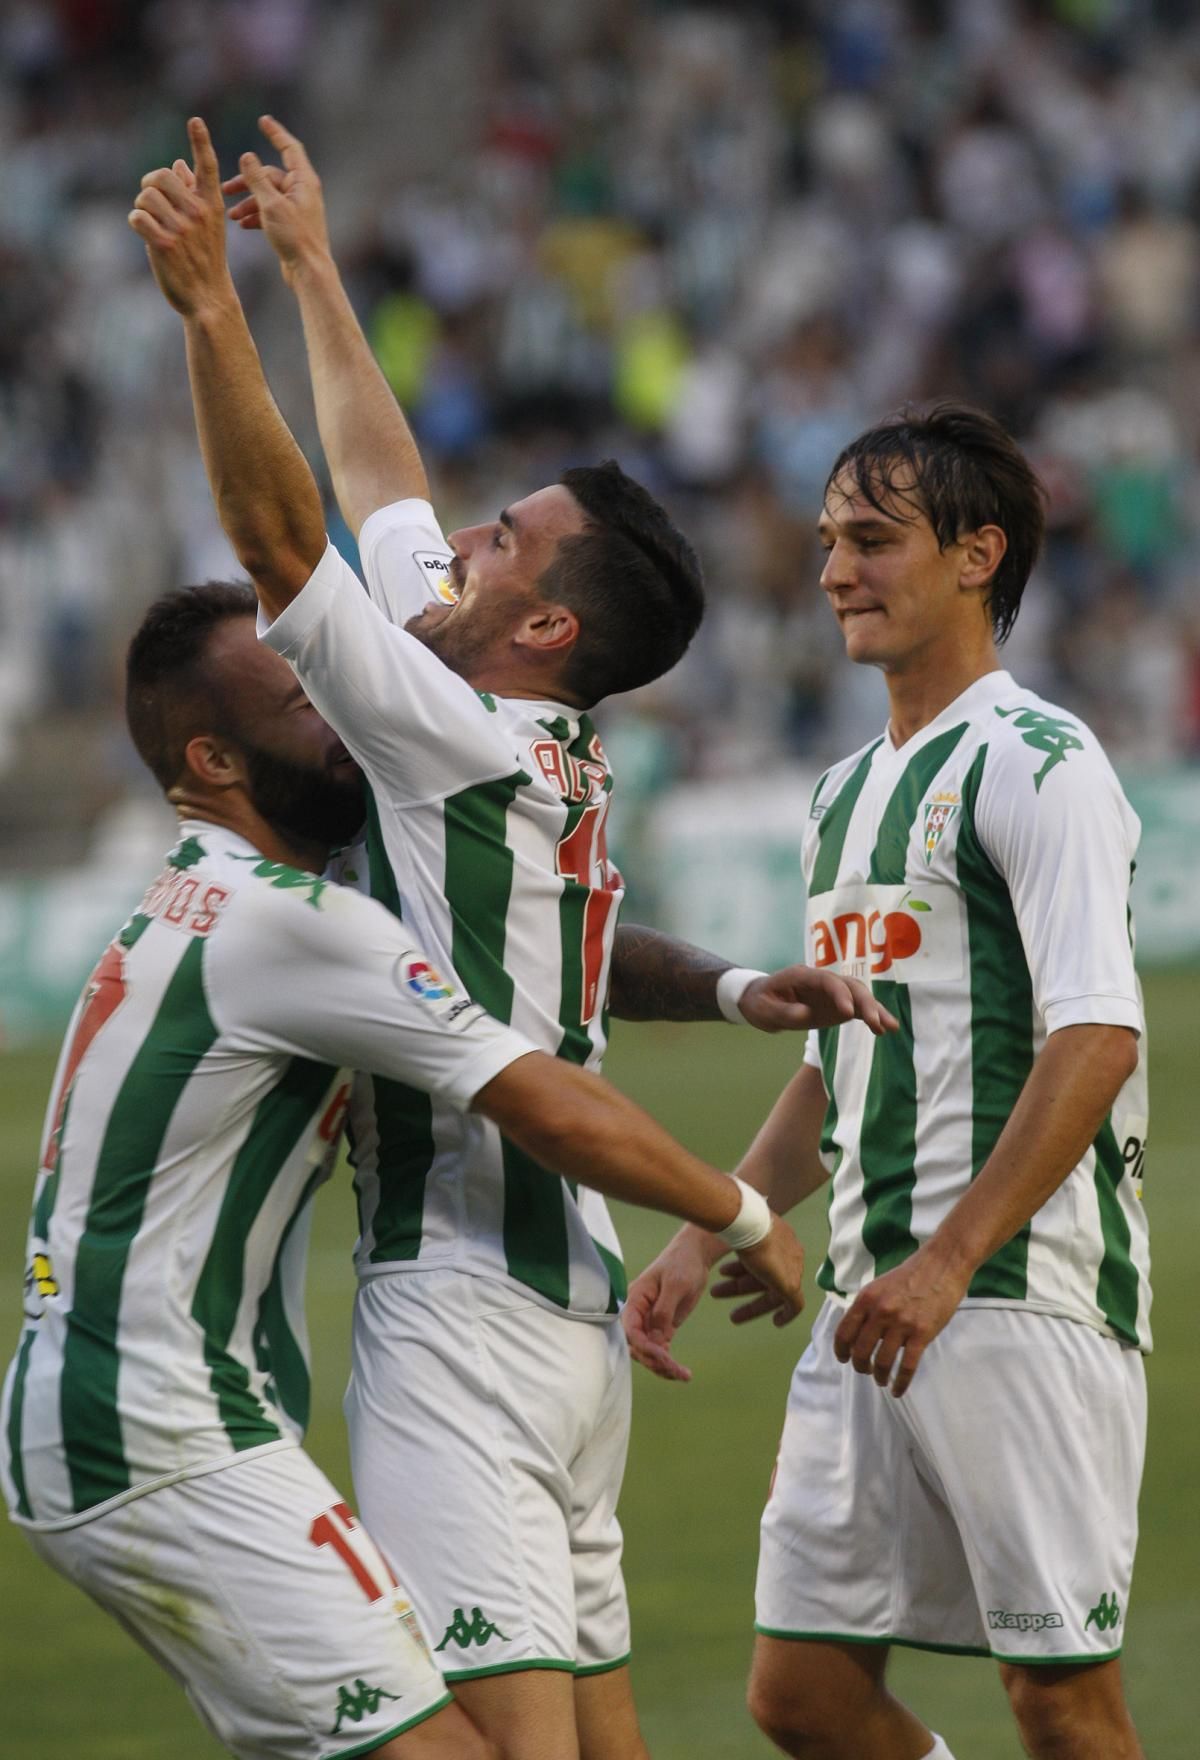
[(460, 646), (308, 802)]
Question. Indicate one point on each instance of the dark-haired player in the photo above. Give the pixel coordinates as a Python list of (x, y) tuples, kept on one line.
[(489, 1403), (988, 1256), (153, 1412)]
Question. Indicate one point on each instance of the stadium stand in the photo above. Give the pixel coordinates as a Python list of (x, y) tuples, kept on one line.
[(711, 242)]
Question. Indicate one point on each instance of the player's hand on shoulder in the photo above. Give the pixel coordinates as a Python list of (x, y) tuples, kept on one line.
[(660, 1300), (797, 998), (885, 1330), (180, 217), (776, 1266), (284, 201)]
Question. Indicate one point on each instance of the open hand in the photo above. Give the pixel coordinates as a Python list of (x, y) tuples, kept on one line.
[(737, 1283), (659, 1302), (775, 1268), (796, 998), (284, 201), (180, 217)]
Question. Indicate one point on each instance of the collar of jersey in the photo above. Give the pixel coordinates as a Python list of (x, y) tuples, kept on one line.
[(991, 687)]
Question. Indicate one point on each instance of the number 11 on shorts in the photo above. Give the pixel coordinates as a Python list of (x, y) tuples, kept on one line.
[(337, 1527)]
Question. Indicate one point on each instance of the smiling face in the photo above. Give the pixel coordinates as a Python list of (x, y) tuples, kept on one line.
[(495, 572), (904, 604)]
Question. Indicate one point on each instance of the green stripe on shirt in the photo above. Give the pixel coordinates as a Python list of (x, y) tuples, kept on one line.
[(888, 1137), (280, 1121), (1001, 1024), (403, 1115), (181, 1034), (1117, 1282)]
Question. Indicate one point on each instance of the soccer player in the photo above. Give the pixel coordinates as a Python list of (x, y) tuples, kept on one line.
[(153, 1412), (988, 1260), (487, 1353)]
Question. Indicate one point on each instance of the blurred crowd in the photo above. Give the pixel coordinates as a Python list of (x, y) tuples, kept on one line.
[(712, 241)]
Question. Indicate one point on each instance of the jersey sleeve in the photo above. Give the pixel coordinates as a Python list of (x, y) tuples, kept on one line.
[(313, 969), (405, 559), (416, 727), (1063, 837)]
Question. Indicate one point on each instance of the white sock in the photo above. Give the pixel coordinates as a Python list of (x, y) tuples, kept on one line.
[(939, 1750)]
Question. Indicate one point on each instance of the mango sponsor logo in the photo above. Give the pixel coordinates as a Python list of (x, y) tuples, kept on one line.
[(874, 939)]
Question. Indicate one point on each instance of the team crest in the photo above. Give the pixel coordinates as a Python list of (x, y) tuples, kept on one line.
[(938, 814)]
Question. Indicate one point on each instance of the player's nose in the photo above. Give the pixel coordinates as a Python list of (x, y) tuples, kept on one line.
[(464, 540), (838, 570)]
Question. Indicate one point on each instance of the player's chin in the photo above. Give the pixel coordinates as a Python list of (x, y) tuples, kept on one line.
[(430, 617), (863, 651)]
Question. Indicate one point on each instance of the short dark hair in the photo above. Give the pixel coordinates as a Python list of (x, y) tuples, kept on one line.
[(632, 579), (958, 467), (170, 693)]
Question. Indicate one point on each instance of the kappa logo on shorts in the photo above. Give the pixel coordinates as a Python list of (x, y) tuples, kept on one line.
[(1023, 1622), (1105, 1615), (357, 1702), (476, 1630)]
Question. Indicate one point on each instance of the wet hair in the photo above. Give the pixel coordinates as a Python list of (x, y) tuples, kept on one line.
[(171, 693), (959, 468), (630, 577)]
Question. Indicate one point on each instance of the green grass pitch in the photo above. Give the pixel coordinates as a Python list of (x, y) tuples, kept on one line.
[(701, 1454)]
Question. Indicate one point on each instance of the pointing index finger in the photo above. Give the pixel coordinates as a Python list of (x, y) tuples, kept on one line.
[(204, 157), (290, 150)]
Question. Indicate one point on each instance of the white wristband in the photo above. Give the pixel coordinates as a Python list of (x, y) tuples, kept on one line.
[(753, 1222), (731, 987)]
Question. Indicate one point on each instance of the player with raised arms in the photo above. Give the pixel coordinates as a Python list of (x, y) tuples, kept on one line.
[(487, 1350), (152, 1415), (970, 1482)]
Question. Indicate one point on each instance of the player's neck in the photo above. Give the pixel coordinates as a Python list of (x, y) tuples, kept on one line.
[(274, 845), (917, 696)]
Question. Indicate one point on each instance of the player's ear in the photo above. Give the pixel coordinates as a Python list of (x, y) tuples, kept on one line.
[(212, 761), (551, 629), (983, 552)]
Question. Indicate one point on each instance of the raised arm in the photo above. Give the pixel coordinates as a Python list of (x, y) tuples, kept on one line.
[(372, 456), (657, 977), (265, 494)]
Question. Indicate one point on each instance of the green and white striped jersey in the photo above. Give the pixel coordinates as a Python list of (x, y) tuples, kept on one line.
[(488, 838), (978, 878), (197, 1106)]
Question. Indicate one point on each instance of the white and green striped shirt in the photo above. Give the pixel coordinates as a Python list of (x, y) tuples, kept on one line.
[(978, 878), (488, 838), (197, 1106)]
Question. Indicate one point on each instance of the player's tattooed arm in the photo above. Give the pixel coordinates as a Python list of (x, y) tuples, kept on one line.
[(372, 456), (656, 977)]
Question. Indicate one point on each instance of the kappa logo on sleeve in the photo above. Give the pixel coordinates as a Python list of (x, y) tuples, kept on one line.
[(1052, 734), (423, 981)]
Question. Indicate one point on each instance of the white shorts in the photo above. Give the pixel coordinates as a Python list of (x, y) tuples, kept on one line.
[(991, 1510), (256, 1589), (488, 1437)]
